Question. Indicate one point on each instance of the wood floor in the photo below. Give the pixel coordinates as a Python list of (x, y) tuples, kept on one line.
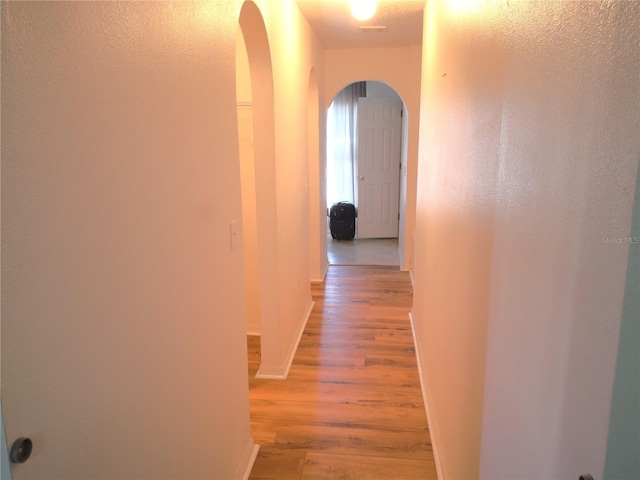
[(351, 407)]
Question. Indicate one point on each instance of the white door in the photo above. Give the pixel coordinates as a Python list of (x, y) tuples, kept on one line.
[(379, 148)]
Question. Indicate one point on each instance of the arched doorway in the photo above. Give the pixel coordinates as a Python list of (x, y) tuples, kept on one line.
[(366, 165), (256, 135)]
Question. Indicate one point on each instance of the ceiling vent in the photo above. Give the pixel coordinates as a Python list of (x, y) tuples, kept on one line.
[(372, 28)]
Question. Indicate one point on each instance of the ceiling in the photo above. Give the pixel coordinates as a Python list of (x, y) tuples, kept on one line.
[(334, 25)]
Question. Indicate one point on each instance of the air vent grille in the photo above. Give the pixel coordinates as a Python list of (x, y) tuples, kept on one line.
[(372, 28)]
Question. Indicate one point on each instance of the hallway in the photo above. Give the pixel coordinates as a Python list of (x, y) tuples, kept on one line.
[(352, 405)]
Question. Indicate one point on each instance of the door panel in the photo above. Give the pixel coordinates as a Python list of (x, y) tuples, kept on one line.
[(379, 149)]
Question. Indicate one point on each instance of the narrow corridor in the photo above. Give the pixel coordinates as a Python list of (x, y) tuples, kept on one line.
[(352, 405)]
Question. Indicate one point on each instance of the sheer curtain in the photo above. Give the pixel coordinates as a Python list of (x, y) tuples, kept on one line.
[(342, 144)]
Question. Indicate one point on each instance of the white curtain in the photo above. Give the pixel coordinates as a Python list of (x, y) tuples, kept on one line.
[(342, 145)]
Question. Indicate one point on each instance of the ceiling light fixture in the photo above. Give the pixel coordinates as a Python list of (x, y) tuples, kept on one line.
[(363, 9)]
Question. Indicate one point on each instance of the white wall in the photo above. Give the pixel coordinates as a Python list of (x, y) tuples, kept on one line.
[(248, 185), (123, 317), (400, 68), (294, 51), (318, 261), (292, 169), (528, 159), (123, 320)]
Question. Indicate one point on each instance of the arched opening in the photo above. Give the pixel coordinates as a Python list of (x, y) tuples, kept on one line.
[(366, 166), (244, 101), (257, 149)]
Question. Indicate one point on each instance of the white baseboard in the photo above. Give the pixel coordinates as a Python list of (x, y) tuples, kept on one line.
[(324, 275), (248, 459), (282, 374), (425, 400)]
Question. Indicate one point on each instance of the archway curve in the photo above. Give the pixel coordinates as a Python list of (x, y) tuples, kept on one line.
[(390, 85), (331, 95), (254, 31), (404, 154)]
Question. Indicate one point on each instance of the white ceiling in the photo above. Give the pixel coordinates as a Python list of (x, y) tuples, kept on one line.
[(333, 23)]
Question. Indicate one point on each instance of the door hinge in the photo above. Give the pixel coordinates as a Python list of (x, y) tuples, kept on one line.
[(398, 215)]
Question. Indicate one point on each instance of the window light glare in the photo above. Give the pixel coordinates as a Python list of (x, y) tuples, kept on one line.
[(363, 9)]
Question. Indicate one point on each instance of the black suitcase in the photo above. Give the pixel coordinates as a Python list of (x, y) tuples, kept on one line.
[(342, 221)]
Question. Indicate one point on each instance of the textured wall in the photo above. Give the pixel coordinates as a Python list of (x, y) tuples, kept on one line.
[(282, 52), (123, 340), (529, 152), (123, 314), (318, 261)]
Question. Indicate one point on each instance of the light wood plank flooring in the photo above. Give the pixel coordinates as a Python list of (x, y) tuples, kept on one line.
[(351, 407)]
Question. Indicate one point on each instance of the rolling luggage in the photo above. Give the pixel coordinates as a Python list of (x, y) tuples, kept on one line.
[(342, 221)]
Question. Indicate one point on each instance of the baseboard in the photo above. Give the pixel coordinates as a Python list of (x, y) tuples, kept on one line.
[(411, 277), (282, 374), (248, 459), (425, 399), (324, 275), (253, 333)]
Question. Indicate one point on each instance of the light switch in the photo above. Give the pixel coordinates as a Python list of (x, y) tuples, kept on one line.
[(234, 234)]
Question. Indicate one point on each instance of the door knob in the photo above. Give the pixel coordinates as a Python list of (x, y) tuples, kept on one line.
[(361, 177), (21, 450)]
